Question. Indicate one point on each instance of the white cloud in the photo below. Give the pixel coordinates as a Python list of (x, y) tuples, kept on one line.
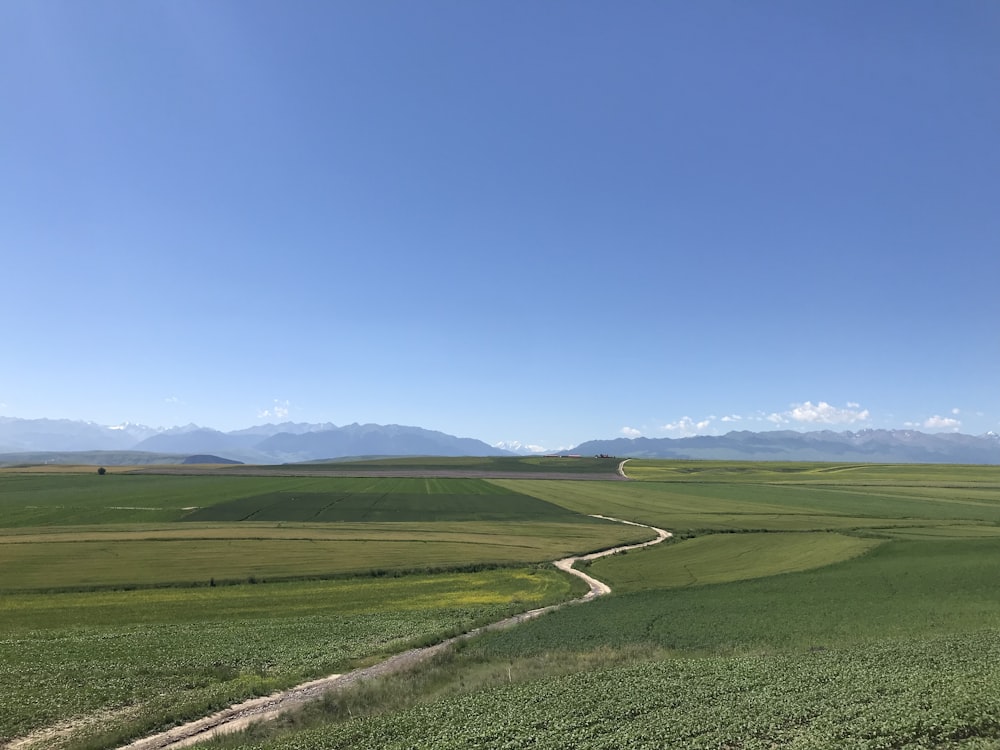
[(516, 446), (956, 411), (824, 413), (942, 423), (172, 400), (732, 418), (278, 411), (820, 413), (686, 427), (631, 432)]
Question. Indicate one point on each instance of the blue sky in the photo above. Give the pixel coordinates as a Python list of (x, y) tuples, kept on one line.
[(536, 222)]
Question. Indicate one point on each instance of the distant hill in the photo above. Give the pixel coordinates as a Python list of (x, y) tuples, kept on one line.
[(293, 442), (869, 446), (264, 444), (90, 458), (373, 440), (205, 459)]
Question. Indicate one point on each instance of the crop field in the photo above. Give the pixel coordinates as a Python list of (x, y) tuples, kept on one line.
[(822, 700), (134, 660), (800, 605), (720, 558), (104, 557), (77, 531), (75, 499), (488, 464), (114, 615)]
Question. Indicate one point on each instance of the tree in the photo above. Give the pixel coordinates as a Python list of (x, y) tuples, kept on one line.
[(102, 471)]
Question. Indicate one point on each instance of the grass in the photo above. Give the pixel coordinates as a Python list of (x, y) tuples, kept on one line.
[(197, 554), (78, 531), (902, 589), (140, 659), (721, 558), (382, 499), (941, 693), (806, 472), (885, 640), (730, 504), (811, 606)]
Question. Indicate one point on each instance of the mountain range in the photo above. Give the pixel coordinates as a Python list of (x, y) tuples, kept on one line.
[(866, 446), (288, 442), (41, 440)]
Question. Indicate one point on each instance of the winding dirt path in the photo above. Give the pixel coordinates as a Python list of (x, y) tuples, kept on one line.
[(239, 716), (621, 468)]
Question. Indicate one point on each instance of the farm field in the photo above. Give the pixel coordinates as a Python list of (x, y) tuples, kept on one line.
[(854, 609), (115, 617), (491, 464), (140, 530), (800, 605), (134, 660)]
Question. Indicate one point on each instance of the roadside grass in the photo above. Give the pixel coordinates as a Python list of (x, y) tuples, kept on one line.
[(178, 554), (143, 659)]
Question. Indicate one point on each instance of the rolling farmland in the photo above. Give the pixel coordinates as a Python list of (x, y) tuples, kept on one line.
[(802, 605)]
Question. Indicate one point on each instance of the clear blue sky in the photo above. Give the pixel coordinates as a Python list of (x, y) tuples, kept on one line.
[(536, 221)]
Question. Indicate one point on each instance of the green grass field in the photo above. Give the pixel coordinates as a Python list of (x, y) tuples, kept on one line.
[(139, 659), (721, 558), (117, 557), (801, 605), (805, 606)]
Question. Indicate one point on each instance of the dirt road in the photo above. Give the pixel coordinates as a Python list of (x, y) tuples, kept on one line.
[(237, 717)]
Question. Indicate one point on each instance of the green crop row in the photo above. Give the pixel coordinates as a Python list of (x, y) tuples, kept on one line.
[(900, 589), (940, 693), (142, 658)]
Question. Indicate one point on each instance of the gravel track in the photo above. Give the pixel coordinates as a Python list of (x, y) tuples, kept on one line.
[(239, 716)]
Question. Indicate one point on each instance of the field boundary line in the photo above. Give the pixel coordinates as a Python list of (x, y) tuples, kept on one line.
[(239, 716)]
